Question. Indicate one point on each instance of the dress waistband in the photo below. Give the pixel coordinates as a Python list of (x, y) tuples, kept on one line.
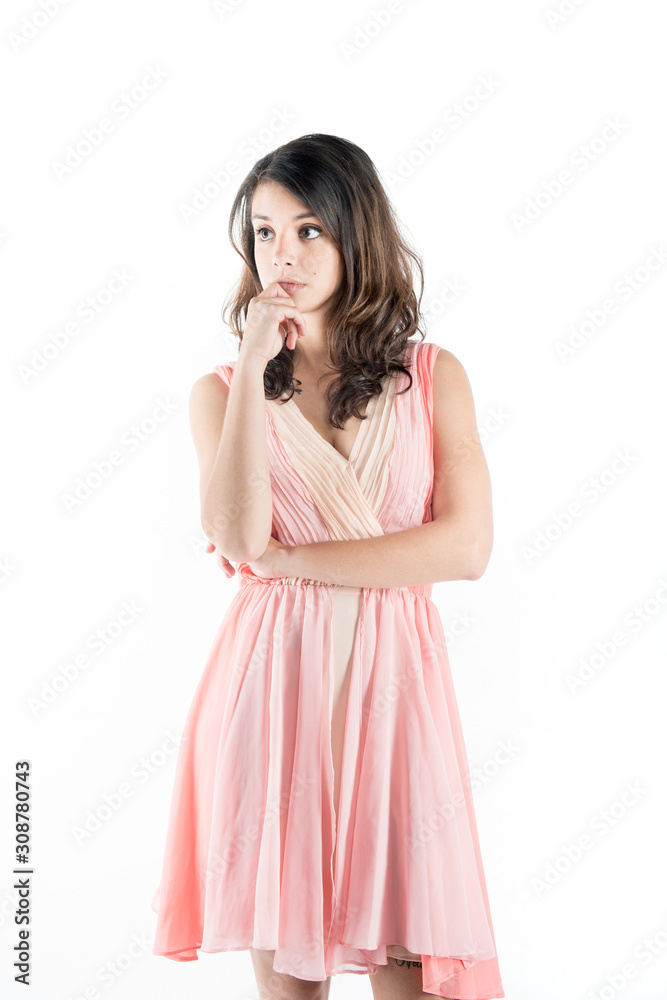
[(248, 578)]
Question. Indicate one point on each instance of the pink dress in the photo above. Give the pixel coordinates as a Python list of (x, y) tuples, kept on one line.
[(322, 805)]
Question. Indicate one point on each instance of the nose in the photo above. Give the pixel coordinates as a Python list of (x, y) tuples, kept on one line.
[(285, 249)]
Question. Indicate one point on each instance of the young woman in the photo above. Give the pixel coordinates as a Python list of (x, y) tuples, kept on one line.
[(322, 816)]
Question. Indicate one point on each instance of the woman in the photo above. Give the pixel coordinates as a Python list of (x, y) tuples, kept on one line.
[(322, 816)]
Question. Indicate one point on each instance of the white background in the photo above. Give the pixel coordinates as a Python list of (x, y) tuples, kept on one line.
[(137, 539)]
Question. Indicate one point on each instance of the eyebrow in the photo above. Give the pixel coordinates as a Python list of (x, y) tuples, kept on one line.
[(304, 215)]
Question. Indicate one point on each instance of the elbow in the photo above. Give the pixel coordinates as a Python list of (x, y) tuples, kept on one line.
[(479, 555), (230, 543), (249, 553), (233, 549), (476, 572)]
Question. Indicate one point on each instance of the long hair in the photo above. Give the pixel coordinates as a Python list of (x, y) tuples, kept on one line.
[(376, 310)]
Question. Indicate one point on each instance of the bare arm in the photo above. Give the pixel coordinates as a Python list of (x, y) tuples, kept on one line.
[(456, 545), (229, 432)]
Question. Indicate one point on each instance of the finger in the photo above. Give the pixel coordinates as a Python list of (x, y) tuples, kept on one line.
[(298, 323), (225, 564), (290, 334), (295, 330), (277, 290), (291, 317)]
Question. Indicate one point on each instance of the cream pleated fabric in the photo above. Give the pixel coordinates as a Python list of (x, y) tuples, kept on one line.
[(322, 805)]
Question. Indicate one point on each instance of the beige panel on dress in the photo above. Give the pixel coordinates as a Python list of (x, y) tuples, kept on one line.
[(348, 493)]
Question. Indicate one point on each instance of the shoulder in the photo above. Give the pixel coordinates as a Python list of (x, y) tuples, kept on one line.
[(447, 369), (453, 403), (209, 390), (439, 369)]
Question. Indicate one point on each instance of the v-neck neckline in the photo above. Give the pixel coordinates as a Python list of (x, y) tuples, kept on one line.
[(371, 414), (371, 409)]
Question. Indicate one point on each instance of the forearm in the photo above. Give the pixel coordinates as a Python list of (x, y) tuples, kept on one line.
[(237, 508), (430, 553)]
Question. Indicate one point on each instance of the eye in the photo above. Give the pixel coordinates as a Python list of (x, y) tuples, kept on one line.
[(265, 229)]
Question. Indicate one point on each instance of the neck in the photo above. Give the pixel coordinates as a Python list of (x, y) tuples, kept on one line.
[(313, 360)]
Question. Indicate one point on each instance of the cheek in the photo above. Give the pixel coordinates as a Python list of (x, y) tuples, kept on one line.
[(324, 258)]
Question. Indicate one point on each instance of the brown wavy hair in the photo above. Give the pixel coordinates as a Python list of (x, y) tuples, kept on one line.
[(376, 310)]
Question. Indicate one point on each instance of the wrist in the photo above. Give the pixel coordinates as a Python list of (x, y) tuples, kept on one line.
[(247, 361), (284, 559)]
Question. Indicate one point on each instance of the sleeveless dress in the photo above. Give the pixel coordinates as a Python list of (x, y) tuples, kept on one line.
[(321, 804)]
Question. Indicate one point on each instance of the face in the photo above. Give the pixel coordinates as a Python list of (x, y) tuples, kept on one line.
[(292, 245)]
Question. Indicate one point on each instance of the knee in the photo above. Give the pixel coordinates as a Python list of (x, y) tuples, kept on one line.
[(274, 985)]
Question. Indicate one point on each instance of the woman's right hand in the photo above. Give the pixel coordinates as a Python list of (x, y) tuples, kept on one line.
[(272, 322)]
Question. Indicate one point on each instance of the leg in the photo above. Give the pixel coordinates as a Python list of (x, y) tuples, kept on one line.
[(399, 979), (272, 985), (346, 602)]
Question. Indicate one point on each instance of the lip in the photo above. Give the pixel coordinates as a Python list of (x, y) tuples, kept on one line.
[(291, 286)]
